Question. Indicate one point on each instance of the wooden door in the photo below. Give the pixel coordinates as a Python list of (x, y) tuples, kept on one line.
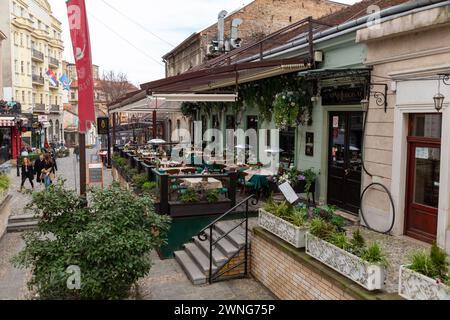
[(345, 165)]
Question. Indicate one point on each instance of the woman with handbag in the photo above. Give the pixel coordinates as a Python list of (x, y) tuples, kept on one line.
[(48, 171), (27, 173)]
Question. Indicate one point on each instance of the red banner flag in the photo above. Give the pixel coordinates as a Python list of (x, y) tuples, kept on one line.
[(79, 32)]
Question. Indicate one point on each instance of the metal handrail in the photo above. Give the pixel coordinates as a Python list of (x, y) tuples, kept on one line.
[(203, 236)]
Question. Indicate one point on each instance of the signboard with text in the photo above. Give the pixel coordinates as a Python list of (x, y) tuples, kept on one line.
[(103, 126), (95, 173)]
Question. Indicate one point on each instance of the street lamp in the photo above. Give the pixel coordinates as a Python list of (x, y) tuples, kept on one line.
[(365, 105), (439, 97)]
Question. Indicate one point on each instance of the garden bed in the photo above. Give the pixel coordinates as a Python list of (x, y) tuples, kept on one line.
[(369, 276), (285, 230), (416, 286)]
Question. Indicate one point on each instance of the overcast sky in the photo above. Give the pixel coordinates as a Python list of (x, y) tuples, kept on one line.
[(121, 45)]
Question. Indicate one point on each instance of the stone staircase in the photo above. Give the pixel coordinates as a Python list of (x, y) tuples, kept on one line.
[(21, 223), (194, 259)]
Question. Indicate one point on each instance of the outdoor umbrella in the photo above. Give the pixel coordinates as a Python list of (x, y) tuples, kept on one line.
[(157, 141), (243, 146)]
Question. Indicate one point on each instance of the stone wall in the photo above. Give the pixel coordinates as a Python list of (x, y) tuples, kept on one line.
[(5, 213), (293, 275)]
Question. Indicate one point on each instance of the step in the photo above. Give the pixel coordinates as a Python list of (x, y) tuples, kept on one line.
[(21, 226), (218, 257), (22, 218), (199, 257), (228, 248), (237, 236), (193, 272)]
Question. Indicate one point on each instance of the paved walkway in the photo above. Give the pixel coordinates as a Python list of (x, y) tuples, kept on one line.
[(166, 280), (13, 281)]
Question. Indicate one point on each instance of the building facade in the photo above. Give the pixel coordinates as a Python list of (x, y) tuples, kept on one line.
[(243, 26), (33, 49), (406, 146), (2, 37)]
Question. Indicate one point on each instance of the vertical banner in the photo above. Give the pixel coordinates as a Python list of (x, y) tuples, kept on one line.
[(79, 32)]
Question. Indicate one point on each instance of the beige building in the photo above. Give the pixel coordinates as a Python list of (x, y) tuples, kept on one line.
[(2, 37), (33, 47), (406, 147)]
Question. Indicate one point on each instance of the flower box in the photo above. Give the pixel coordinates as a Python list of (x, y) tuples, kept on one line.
[(416, 286), (369, 276), (181, 209), (285, 230)]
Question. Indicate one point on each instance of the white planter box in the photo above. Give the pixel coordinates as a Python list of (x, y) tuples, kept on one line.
[(287, 231), (369, 276), (416, 286)]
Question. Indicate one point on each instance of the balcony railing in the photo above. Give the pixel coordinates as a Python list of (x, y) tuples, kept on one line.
[(55, 108), (37, 55), (53, 62), (39, 107), (37, 79)]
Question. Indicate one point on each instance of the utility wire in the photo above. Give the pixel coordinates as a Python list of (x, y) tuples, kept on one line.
[(127, 41), (137, 23)]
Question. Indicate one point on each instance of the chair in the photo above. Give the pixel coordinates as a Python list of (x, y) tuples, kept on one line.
[(243, 183), (189, 171)]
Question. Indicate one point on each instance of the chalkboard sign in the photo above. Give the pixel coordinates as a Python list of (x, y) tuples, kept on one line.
[(96, 173)]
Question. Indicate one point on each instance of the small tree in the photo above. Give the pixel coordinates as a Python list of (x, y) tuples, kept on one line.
[(108, 242)]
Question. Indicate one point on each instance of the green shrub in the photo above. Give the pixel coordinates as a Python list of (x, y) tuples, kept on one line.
[(190, 196), (139, 180), (5, 183), (375, 255), (212, 196), (434, 264), (341, 241), (110, 241), (357, 243), (149, 187), (287, 212), (322, 229)]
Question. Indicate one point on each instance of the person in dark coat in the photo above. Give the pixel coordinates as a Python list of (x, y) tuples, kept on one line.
[(38, 166), (27, 173)]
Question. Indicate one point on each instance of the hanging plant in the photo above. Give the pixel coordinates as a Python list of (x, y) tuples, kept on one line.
[(188, 109), (291, 108)]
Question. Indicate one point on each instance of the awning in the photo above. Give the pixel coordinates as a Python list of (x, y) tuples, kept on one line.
[(7, 122), (205, 80)]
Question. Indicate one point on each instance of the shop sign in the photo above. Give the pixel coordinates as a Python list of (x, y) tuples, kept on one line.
[(342, 96), (103, 126)]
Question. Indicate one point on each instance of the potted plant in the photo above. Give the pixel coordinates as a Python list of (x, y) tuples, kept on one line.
[(198, 203), (285, 221), (365, 265), (427, 277)]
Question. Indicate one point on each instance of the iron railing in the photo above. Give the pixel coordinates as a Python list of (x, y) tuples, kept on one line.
[(39, 107), (37, 79), (207, 234), (36, 54), (53, 61)]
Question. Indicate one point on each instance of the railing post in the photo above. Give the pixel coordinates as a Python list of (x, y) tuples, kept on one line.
[(233, 187), (210, 253), (246, 238), (164, 194)]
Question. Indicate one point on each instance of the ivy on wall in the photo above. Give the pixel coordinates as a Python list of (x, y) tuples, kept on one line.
[(266, 95)]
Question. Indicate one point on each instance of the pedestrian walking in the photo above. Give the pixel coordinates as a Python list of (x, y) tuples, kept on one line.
[(48, 171), (38, 166), (27, 173), (76, 152)]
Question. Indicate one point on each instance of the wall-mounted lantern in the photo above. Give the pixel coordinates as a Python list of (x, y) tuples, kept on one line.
[(439, 97)]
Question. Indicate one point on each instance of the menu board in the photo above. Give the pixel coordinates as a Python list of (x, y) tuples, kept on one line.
[(96, 173), (289, 193)]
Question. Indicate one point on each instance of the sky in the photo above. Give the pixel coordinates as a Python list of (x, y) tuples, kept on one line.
[(131, 36)]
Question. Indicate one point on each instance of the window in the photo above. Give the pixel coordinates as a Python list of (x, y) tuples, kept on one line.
[(21, 39), (16, 66), (22, 67), (23, 97), (42, 98), (29, 97), (28, 68), (28, 41), (17, 95), (426, 125)]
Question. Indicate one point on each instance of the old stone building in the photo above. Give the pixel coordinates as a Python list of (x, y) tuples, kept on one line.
[(2, 37), (257, 19)]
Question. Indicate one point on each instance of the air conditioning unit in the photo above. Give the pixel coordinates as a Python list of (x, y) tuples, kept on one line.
[(211, 50)]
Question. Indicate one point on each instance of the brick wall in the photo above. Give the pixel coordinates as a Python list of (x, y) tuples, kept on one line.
[(260, 18), (287, 278)]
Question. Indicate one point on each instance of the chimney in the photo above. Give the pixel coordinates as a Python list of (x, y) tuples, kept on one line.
[(221, 29)]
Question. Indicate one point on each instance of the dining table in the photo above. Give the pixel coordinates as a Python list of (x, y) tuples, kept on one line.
[(259, 178), (200, 183)]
